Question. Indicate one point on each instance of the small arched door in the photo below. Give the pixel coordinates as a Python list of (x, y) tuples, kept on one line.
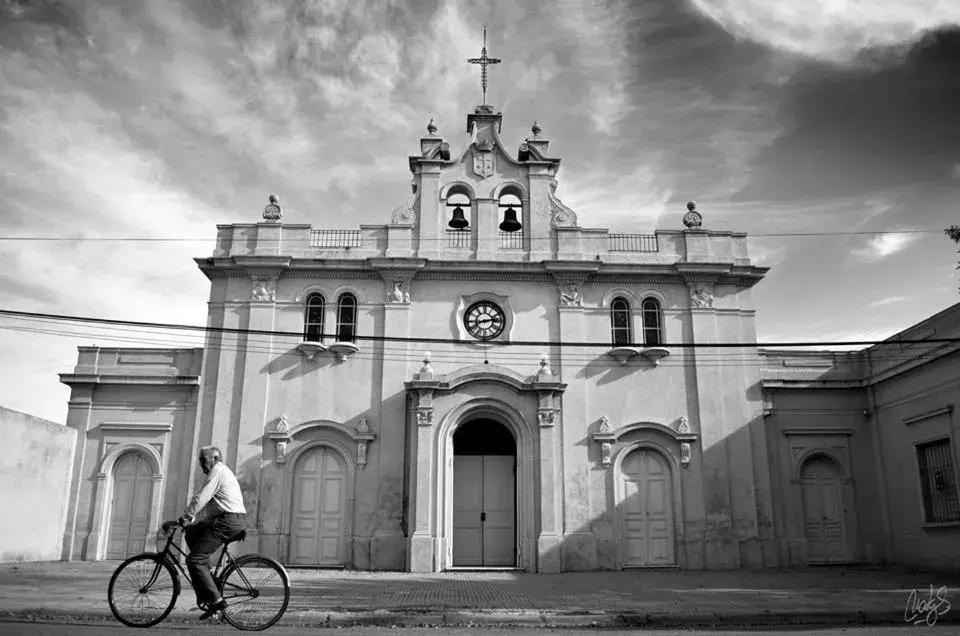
[(646, 510), (824, 521), (130, 506), (319, 509)]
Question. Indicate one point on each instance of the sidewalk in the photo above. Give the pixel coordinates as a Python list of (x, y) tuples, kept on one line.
[(76, 592)]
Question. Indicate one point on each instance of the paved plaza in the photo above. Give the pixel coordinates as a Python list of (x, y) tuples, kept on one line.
[(76, 591)]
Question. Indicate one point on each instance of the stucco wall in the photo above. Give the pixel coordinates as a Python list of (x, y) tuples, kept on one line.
[(911, 408), (35, 463)]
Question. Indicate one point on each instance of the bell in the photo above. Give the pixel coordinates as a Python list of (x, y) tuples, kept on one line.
[(458, 222), (510, 222)]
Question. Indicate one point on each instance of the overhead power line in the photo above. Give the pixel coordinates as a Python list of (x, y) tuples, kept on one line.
[(162, 239), (517, 343)]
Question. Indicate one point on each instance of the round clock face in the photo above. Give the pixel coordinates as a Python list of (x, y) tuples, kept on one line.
[(484, 320)]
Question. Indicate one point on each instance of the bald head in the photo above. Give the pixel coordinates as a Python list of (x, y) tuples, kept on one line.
[(209, 457)]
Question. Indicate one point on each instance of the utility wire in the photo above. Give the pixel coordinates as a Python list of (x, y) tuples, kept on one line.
[(520, 343), (135, 239)]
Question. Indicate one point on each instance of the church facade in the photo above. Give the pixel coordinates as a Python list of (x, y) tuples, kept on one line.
[(483, 382)]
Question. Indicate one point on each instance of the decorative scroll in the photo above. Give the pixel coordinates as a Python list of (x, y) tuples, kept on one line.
[(561, 215)]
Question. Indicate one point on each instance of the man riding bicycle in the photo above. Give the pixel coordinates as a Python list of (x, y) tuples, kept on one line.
[(221, 500)]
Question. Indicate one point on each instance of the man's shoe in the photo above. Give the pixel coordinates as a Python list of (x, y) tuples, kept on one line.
[(213, 609)]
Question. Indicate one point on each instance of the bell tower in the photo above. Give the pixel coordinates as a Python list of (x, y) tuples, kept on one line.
[(483, 204)]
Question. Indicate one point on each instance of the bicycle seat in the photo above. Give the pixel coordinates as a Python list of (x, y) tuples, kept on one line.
[(239, 537)]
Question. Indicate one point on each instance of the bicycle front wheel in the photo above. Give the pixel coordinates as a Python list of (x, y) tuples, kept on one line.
[(256, 590), (143, 590)]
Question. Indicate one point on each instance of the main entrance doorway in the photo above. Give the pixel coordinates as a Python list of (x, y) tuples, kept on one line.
[(484, 495)]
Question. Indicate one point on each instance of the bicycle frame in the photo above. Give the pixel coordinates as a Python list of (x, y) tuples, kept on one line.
[(168, 555)]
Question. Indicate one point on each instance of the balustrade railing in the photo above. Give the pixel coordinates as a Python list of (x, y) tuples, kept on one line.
[(511, 240), (632, 243), (335, 238), (458, 238)]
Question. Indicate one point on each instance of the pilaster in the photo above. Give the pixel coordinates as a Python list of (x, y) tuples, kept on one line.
[(78, 418), (246, 458)]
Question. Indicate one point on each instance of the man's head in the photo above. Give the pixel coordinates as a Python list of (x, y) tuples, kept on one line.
[(209, 457)]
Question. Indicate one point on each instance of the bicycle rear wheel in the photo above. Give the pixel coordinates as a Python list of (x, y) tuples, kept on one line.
[(143, 590), (256, 590)]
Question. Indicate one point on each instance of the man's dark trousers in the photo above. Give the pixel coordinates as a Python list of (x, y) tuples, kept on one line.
[(203, 539)]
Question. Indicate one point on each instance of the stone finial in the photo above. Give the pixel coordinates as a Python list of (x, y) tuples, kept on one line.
[(282, 425), (535, 129), (426, 368), (432, 127), (362, 425), (692, 219), (544, 366), (273, 212)]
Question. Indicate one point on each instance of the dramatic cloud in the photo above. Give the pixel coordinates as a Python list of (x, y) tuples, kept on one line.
[(161, 119), (831, 30)]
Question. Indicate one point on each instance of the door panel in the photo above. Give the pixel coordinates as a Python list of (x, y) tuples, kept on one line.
[(646, 510), (130, 507), (318, 524), (823, 512), (467, 509), (499, 494)]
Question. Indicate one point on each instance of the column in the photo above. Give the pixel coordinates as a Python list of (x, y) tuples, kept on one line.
[(388, 543), (488, 229), (579, 543), (422, 557), (548, 543), (721, 547), (243, 449), (78, 418)]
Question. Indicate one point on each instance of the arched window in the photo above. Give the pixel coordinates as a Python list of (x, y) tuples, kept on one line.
[(620, 322), (347, 318), (652, 325), (313, 319)]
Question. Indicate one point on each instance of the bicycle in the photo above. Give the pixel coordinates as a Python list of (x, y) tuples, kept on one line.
[(159, 570)]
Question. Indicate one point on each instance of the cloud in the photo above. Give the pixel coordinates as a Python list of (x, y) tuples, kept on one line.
[(882, 246), (889, 300), (836, 31), (955, 172)]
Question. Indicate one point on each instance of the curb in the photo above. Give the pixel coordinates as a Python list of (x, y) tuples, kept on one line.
[(513, 618)]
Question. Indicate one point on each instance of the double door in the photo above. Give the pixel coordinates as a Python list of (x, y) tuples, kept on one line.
[(484, 511)]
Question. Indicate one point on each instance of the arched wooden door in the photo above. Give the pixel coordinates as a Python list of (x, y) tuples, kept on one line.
[(646, 510), (319, 515), (130, 507), (824, 521)]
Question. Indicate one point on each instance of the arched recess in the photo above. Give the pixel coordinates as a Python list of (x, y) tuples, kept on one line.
[(98, 538), (301, 296), (610, 294), (457, 187), (675, 499), (527, 482), (290, 490), (510, 186), (824, 507)]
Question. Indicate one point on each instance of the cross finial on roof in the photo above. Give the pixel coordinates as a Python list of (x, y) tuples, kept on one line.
[(484, 61)]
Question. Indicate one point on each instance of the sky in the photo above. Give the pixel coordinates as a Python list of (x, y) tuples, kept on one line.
[(163, 118)]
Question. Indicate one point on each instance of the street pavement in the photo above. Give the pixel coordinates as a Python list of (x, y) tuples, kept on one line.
[(75, 592)]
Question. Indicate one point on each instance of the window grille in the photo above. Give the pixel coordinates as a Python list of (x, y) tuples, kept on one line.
[(511, 240), (632, 243), (458, 238), (937, 482), (335, 238)]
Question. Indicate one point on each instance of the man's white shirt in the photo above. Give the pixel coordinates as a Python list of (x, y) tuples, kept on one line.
[(221, 491)]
